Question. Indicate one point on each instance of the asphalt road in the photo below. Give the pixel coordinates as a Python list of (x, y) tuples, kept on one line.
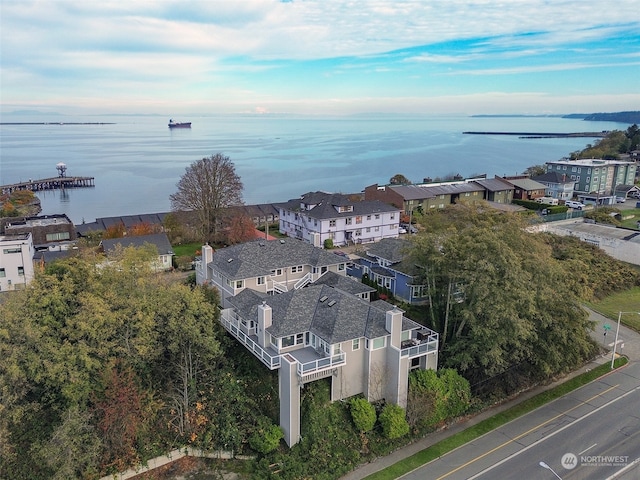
[(591, 433), (601, 419)]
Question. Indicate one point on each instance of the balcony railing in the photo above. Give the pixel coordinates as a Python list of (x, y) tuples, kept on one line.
[(232, 324), (419, 349), (303, 282), (320, 364)]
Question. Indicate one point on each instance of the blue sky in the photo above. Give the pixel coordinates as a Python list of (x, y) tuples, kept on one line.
[(319, 56)]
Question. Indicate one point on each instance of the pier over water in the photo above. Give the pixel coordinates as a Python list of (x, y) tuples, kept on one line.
[(53, 183)]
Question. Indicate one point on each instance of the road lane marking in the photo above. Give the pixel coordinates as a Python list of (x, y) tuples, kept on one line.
[(553, 434), (587, 449), (525, 433)]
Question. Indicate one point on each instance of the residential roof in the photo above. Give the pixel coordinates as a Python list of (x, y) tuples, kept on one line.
[(553, 177), (321, 205), (330, 314), (417, 192), (160, 240), (391, 249), (344, 284), (526, 184), (494, 184), (258, 257)]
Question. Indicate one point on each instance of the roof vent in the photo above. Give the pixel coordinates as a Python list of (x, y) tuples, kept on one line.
[(331, 303), (281, 240), (229, 260), (323, 298)]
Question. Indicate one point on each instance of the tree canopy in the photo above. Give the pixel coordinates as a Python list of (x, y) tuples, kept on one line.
[(503, 305), (208, 186)]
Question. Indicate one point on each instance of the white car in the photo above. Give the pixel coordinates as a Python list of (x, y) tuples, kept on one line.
[(402, 230), (576, 205), (620, 199)]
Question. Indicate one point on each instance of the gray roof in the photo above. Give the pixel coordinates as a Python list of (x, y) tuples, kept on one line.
[(160, 240), (330, 314), (553, 177), (322, 205), (494, 184), (418, 192), (260, 257), (526, 184), (344, 284), (391, 249)]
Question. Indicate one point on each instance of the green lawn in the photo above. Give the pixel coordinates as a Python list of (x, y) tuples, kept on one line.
[(186, 249), (627, 301), (631, 222)]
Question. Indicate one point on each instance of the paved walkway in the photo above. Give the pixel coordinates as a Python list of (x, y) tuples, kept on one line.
[(631, 348)]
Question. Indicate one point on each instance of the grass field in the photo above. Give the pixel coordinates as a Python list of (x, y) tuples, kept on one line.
[(627, 301), (189, 249)]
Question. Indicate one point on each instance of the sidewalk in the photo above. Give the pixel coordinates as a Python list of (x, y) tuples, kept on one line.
[(632, 349)]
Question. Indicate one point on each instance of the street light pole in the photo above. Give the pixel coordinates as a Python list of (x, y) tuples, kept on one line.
[(544, 465), (615, 341)]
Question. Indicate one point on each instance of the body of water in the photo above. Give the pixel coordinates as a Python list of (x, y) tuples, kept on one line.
[(137, 161)]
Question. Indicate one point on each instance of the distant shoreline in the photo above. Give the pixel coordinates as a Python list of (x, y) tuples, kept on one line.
[(544, 135), (57, 123)]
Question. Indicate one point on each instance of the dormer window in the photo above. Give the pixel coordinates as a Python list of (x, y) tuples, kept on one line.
[(345, 208)]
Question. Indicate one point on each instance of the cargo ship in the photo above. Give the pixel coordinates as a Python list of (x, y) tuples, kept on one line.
[(173, 124)]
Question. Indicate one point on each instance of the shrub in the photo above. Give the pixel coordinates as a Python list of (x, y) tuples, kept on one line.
[(328, 244), (363, 414), (394, 424), (266, 438)]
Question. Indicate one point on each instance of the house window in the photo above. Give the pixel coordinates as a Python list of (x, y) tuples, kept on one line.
[(276, 273), (53, 237), (299, 338), (315, 222), (288, 341), (21, 271), (358, 232), (588, 179), (2, 273), (239, 283), (348, 221), (332, 223), (419, 291), (393, 215), (377, 217), (368, 217), (379, 343), (12, 250), (595, 179), (368, 229), (376, 229), (359, 219), (260, 280), (355, 344), (296, 269)]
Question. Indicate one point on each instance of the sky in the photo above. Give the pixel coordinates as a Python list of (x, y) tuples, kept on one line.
[(319, 56)]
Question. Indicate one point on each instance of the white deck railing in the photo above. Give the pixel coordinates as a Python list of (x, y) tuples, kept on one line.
[(231, 323), (320, 364)]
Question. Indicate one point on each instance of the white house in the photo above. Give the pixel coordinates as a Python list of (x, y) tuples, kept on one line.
[(16, 261), (317, 216)]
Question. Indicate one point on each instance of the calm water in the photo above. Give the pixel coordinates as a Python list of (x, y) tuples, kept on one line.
[(136, 161)]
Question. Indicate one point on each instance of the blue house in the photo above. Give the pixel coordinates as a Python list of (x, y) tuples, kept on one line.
[(387, 263)]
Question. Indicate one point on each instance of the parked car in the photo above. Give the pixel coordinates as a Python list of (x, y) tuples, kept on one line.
[(408, 228), (576, 205), (620, 199), (402, 230)]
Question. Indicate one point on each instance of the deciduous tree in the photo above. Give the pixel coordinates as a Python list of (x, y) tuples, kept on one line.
[(208, 186)]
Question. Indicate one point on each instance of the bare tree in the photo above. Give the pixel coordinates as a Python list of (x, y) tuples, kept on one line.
[(208, 186)]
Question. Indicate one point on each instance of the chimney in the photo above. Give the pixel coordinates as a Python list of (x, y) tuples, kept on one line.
[(264, 322)]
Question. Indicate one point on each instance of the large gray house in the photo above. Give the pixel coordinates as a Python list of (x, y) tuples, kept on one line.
[(319, 327)]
